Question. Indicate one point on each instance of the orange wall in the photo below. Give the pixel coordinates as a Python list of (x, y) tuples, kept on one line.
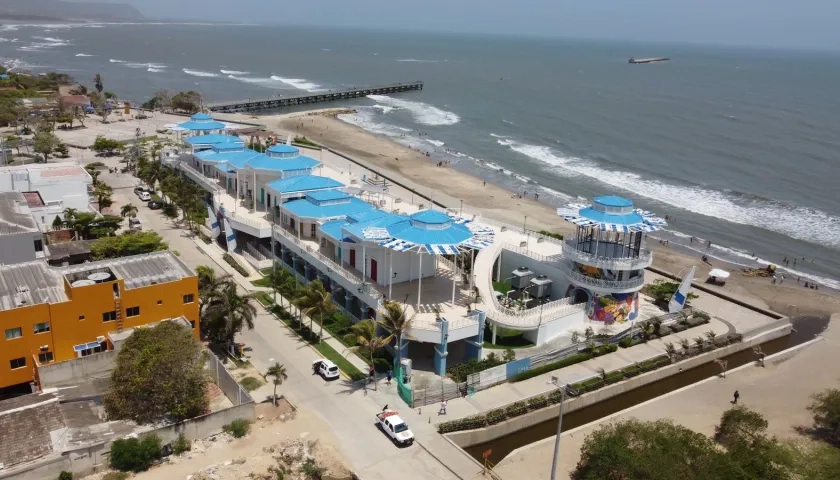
[(91, 301)]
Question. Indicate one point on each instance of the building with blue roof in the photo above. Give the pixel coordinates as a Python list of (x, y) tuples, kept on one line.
[(298, 186), (202, 124)]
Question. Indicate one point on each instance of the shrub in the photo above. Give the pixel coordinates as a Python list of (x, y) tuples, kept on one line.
[(537, 403), (460, 372), (614, 377), (236, 266), (496, 416), (548, 367), (625, 342), (516, 409), (551, 234), (170, 210), (664, 331), (238, 428), (65, 475), (250, 383), (469, 423), (135, 455), (382, 365), (181, 445), (115, 476)]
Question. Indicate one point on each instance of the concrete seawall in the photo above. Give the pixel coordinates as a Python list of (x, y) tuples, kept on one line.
[(469, 438)]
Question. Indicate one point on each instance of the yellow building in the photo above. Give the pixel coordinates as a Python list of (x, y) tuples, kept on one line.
[(55, 314)]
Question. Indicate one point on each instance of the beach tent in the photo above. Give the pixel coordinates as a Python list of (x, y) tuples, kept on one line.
[(717, 276)]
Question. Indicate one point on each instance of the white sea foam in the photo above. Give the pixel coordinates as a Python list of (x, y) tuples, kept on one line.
[(803, 223), (157, 66), (263, 82), (416, 60), (155, 70), (384, 108), (199, 73), (15, 64), (423, 113), (234, 72), (436, 143), (299, 83), (116, 61), (52, 40), (83, 55)]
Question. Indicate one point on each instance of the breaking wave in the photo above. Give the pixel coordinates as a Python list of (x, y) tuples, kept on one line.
[(299, 83), (199, 73), (421, 112)]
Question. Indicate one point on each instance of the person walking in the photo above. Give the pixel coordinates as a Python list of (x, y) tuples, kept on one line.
[(389, 376), (735, 397), (442, 410)]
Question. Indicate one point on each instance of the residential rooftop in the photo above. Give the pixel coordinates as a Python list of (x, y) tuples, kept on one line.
[(15, 216)]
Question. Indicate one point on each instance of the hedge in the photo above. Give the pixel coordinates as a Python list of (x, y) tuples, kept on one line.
[(548, 367), (236, 266)]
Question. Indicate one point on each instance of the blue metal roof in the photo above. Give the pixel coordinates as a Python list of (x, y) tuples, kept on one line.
[(430, 227), (332, 229), (283, 148), (372, 219), (264, 162), (303, 183), (630, 218), (201, 116), (613, 201), (213, 139), (228, 146), (202, 125), (235, 158), (366, 216), (305, 208), (327, 195)]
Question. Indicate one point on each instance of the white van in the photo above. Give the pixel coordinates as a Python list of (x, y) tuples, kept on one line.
[(144, 196)]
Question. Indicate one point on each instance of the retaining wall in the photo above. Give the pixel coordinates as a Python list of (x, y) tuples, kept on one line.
[(77, 369), (482, 435)]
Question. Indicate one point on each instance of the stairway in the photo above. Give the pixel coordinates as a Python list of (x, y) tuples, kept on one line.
[(118, 310)]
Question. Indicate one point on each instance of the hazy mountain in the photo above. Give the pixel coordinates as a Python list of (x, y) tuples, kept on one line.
[(68, 11)]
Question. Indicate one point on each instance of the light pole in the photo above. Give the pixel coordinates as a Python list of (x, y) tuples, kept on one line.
[(554, 381)]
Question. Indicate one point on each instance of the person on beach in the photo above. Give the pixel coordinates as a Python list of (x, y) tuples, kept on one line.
[(484, 184), (388, 377), (736, 396)]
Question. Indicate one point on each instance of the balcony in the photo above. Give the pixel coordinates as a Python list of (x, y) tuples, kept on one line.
[(207, 183), (605, 286), (571, 252)]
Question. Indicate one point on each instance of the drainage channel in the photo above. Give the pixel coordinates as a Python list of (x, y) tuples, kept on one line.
[(805, 328)]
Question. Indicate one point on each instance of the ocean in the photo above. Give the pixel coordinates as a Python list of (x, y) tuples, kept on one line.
[(738, 146)]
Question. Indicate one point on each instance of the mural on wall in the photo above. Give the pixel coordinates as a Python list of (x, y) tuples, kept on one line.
[(594, 272), (615, 308)]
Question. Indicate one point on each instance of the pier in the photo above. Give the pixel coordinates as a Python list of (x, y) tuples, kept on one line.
[(253, 104)]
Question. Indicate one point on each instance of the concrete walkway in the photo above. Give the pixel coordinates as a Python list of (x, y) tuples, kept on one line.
[(781, 392)]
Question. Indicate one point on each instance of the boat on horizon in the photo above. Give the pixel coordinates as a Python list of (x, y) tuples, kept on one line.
[(648, 60)]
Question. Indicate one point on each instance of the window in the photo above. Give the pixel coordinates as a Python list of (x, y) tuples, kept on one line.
[(109, 316), (160, 302), (189, 298), (39, 245), (18, 363), (45, 357), (14, 333), (86, 349), (312, 228), (41, 327), (192, 323), (132, 311), (81, 317)]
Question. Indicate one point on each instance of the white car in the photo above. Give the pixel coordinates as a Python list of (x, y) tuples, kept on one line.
[(395, 427), (325, 368), (144, 196)]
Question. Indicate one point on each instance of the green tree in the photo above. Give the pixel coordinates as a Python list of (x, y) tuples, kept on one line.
[(102, 192), (396, 323), (97, 83), (658, 450), (57, 223), (129, 243), (62, 151), (44, 143), (161, 100), (128, 211), (66, 117), (365, 337), (662, 291), (106, 146), (209, 286), (11, 110), (135, 455), (79, 114), (278, 374), (189, 102), (159, 376), (100, 105), (228, 313), (740, 424), (316, 300), (825, 408)]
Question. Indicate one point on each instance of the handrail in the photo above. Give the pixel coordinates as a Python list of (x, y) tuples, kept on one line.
[(599, 282), (618, 263), (199, 177)]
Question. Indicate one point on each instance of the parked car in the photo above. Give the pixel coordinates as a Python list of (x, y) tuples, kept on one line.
[(145, 196), (139, 190), (134, 223), (155, 205), (395, 427), (325, 368)]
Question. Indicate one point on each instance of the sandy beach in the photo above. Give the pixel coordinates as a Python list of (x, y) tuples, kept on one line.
[(450, 187)]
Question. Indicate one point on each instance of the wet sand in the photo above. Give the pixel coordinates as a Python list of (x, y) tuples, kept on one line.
[(449, 187)]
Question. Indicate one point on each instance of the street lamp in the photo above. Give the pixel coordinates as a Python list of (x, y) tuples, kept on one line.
[(555, 382)]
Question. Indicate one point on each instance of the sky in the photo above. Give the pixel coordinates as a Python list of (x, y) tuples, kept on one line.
[(771, 23)]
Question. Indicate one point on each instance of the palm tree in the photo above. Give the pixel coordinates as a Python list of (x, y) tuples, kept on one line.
[(128, 211), (670, 350), (229, 312), (103, 193), (699, 341), (209, 286), (278, 372), (602, 373), (318, 302), (711, 335), (685, 344), (365, 337), (282, 282), (395, 322)]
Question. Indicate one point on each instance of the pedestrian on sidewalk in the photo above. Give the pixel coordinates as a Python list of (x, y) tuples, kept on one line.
[(736, 397), (442, 410), (389, 376), (371, 372)]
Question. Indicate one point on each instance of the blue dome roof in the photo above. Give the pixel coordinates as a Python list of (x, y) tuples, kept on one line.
[(431, 217), (200, 116), (430, 227), (283, 148), (613, 201)]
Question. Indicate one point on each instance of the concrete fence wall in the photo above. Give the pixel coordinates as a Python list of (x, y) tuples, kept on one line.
[(79, 369), (482, 435)]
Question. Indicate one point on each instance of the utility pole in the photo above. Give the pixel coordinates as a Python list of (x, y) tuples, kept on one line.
[(559, 428)]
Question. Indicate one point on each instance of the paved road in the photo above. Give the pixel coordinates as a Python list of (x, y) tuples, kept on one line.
[(349, 410)]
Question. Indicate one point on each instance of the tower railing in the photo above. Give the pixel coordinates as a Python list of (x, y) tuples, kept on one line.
[(629, 284), (571, 251)]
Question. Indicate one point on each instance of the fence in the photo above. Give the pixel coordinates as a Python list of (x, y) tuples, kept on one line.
[(232, 389)]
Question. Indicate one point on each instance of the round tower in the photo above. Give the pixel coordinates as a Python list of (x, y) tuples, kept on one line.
[(606, 256)]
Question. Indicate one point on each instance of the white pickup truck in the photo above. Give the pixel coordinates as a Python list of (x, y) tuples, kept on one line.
[(325, 368), (394, 426)]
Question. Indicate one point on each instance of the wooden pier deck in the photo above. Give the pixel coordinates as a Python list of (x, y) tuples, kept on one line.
[(253, 104)]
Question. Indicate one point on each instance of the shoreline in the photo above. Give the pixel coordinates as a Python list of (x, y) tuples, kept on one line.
[(450, 187)]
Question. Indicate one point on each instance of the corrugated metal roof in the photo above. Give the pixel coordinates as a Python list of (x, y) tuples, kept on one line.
[(15, 216)]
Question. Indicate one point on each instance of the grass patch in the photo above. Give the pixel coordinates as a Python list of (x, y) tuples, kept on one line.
[(503, 287), (551, 234), (251, 383), (505, 338), (548, 367), (264, 298), (305, 142), (261, 282)]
